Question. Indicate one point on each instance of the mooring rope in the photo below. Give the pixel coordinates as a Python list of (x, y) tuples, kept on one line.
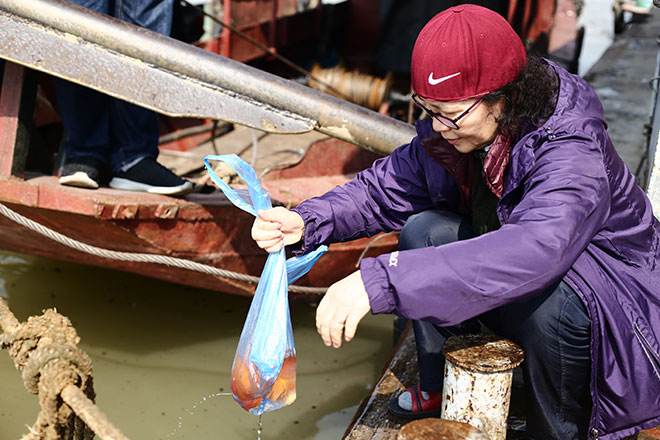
[(46, 353), (91, 414), (141, 258)]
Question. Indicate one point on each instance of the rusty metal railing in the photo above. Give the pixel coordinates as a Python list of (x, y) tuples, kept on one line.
[(177, 79)]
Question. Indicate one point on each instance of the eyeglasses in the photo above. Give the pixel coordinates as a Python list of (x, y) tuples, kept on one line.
[(451, 123)]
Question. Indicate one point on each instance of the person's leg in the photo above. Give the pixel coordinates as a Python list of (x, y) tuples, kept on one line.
[(84, 115), (134, 130), (432, 228), (133, 134), (102, 6), (429, 340), (85, 119), (554, 331), (155, 15)]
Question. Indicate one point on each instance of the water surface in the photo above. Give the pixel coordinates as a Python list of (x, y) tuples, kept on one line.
[(159, 350)]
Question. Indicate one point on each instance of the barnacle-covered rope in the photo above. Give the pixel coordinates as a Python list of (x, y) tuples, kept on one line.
[(45, 350)]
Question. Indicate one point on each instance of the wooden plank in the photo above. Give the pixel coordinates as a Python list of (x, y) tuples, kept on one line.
[(10, 103), (290, 192), (236, 141), (272, 150)]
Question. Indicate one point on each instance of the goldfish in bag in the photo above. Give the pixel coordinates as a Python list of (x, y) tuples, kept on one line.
[(264, 371)]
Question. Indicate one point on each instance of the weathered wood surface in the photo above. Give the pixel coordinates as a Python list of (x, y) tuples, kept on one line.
[(272, 151)]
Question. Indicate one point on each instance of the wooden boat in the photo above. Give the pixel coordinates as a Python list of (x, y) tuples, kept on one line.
[(332, 138), (202, 227)]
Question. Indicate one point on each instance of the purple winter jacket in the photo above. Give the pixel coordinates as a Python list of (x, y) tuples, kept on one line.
[(570, 209)]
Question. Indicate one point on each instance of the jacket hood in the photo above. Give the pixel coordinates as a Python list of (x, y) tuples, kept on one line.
[(577, 100)]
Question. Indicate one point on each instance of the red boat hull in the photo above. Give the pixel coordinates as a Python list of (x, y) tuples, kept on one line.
[(207, 229)]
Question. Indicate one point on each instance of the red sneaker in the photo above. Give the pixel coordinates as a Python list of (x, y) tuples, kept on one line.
[(420, 407)]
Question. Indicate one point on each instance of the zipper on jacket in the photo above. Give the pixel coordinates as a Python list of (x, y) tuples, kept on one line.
[(594, 434), (648, 350)]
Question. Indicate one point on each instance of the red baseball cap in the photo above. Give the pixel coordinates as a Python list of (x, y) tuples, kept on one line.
[(464, 52)]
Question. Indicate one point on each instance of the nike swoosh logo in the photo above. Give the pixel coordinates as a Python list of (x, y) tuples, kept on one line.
[(434, 81)]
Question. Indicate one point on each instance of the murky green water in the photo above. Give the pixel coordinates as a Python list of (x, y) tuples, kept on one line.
[(158, 350)]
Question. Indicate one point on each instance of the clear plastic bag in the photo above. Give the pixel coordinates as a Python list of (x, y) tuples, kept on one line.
[(264, 371)]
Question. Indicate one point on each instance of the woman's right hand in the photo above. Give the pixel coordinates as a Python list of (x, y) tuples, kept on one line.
[(277, 227)]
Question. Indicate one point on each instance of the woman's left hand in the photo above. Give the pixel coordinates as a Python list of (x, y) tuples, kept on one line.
[(343, 306)]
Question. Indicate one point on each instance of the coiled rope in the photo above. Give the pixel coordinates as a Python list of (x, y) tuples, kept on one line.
[(363, 89), (141, 258), (45, 350)]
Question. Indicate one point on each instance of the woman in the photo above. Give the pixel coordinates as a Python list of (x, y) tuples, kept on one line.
[(514, 210)]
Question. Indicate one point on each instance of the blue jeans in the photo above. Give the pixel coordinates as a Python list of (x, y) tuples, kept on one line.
[(99, 126), (553, 329)]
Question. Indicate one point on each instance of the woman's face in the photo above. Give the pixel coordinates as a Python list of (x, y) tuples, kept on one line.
[(476, 129)]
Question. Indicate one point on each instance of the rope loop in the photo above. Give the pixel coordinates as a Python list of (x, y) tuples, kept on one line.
[(77, 361), (45, 351), (42, 339)]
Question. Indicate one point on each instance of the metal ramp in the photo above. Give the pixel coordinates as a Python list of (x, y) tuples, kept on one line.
[(176, 79)]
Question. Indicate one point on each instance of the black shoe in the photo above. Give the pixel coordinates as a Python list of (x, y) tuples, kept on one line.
[(149, 176), (84, 172)]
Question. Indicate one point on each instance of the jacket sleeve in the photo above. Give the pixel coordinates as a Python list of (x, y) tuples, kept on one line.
[(379, 199), (564, 200)]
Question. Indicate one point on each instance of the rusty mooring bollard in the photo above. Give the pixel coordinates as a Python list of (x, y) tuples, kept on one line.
[(439, 429), (477, 383)]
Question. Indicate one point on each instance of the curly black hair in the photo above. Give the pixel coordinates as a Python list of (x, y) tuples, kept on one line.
[(529, 100)]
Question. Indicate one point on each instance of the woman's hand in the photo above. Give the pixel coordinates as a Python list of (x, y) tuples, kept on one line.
[(277, 227), (341, 309)]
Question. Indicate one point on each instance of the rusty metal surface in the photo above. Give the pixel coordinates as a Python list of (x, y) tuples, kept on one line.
[(479, 399), (70, 57), (438, 429), (17, 110), (46, 193), (483, 353), (253, 12), (177, 79), (477, 381), (12, 83)]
